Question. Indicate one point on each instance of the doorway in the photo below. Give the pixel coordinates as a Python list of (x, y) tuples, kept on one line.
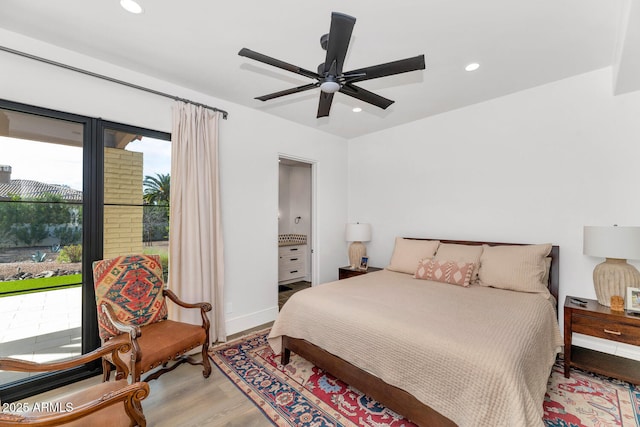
[(295, 227)]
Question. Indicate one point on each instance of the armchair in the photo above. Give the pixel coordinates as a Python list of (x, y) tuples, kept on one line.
[(131, 303), (113, 403)]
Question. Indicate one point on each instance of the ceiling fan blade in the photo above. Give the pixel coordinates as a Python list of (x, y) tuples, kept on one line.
[(277, 63), (339, 37), (325, 104), (366, 96), (287, 92), (388, 69)]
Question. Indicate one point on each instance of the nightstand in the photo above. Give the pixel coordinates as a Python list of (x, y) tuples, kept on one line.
[(346, 272), (600, 321)]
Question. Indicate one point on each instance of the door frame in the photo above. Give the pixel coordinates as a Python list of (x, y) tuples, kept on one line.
[(312, 243)]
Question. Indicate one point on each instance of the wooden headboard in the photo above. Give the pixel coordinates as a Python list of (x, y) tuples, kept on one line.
[(554, 271)]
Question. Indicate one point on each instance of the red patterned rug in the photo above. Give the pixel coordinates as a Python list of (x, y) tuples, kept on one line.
[(302, 395)]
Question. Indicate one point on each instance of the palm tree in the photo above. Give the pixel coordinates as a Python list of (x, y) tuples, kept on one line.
[(156, 189)]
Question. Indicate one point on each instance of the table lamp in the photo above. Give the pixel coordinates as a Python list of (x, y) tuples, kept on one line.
[(356, 234), (616, 245)]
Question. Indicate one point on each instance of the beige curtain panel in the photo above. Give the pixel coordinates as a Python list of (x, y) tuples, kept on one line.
[(196, 269)]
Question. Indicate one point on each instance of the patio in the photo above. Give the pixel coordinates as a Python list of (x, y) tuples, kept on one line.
[(40, 326)]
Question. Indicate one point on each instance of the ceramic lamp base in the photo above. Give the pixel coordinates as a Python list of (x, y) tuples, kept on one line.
[(356, 251), (612, 278)]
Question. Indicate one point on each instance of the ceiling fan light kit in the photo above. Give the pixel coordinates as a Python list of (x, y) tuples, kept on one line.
[(329, 86), (330, 78), (131, 6)]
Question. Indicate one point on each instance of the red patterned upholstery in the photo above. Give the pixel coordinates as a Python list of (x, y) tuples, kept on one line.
[(132, 285), (131, 302)]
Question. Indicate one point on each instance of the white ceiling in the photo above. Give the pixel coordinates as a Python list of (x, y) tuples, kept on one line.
[(519, 44)]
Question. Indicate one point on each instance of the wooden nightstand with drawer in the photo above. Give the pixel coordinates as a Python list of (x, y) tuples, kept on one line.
[(600, 321), (346, 272)]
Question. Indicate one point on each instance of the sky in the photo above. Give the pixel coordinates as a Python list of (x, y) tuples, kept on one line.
[(157, 155), (62, 164)]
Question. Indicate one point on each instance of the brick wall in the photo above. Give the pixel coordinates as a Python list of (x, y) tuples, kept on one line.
[(122, 185)]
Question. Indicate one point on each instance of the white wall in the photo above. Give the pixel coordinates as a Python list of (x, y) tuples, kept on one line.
[(295, 199), (250, 144), (283, 200), (531, 167)]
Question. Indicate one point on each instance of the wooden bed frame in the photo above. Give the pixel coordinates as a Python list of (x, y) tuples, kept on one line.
[(393, 397)]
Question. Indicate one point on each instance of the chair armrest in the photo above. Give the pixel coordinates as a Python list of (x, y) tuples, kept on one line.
[(130, 395), (204, 306), (17, 365), (132, 330)]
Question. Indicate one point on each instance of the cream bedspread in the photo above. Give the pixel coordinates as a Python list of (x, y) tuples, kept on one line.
[(479, 356)]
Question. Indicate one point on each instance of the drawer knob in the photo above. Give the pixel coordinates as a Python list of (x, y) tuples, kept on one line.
[(294, 259), (295, 271), (612, 332)]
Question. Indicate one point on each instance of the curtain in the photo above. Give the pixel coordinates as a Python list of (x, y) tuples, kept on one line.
[(196, 272)]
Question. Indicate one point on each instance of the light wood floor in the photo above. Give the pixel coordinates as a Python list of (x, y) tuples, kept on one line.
[(184, 398)]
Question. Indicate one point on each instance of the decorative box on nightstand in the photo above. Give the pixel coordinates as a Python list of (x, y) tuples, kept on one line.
[(596, 320), (346, 272)]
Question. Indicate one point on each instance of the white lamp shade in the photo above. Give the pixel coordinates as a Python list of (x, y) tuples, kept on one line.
[(612, 242), (358, 232)]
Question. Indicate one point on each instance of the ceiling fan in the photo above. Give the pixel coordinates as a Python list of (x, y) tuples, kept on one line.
[(330, 78)]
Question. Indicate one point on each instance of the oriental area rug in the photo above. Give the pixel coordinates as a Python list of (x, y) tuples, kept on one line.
[(300, 394)]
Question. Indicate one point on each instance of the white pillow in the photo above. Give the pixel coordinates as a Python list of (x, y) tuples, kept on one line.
[(518, 268), (408, 253)]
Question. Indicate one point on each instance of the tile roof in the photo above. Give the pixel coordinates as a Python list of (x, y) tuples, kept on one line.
[(28, 189)]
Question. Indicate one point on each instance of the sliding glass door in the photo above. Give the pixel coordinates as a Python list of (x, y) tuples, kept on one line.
[(41, 207), (73, 190), (137, 181)]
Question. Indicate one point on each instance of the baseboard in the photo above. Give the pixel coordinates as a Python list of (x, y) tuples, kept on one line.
[(251, 320), (607, 346)]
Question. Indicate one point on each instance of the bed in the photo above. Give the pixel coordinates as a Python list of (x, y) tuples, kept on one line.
[(436, 353)]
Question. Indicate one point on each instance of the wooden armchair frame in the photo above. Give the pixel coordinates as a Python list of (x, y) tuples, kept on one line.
[(129, 394), (135, 332)]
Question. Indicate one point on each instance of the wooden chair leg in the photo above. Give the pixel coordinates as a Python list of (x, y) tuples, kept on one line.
[(106, 370), (205, 360)]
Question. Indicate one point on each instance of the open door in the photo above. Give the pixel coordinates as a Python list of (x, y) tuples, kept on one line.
[(295, 227)]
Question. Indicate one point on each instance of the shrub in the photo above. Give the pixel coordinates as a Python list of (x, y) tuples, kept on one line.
[(39, 256), (70, 253)]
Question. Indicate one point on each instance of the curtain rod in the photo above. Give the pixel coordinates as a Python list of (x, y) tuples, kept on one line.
[(110, 79)]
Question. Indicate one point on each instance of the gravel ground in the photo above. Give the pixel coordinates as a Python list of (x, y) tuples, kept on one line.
[(10, 268), (12, 258)]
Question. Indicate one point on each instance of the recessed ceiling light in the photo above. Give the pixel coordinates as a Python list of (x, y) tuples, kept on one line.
[(472, 67), (131, 6), (357, 109)]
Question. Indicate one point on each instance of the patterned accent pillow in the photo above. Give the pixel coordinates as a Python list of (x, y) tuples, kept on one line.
[(462, 253), (452, 272), (133, 286)]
